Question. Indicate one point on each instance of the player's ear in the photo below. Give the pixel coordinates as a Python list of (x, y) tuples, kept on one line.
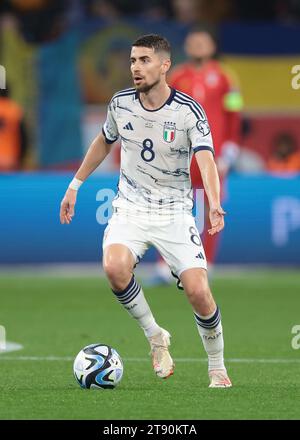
[(166, 64)]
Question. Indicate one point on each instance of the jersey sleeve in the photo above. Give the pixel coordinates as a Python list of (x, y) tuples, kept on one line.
[(110, 128), (198, 131)]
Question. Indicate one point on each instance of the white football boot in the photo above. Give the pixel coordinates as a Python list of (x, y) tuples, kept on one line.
[(219, 379), (162, 362)]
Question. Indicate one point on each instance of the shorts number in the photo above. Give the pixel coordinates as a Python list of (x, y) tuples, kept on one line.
[(147, 153), (195, 236)]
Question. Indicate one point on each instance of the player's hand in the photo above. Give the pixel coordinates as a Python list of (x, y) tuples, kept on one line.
[(216, 217), (67, 206)]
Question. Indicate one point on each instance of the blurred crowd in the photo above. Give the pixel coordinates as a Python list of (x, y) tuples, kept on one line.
[(43, 20)]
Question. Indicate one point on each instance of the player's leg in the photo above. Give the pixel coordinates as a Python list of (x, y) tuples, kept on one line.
[(121, 248), (208, 320), (181, 246), (118, 264)]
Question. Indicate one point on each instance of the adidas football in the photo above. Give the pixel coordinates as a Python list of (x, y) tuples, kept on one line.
[(98, 366)]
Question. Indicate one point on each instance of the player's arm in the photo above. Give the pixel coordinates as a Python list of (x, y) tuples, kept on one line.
[(211, 182), (97, 152), (199, 134), (95, 155)]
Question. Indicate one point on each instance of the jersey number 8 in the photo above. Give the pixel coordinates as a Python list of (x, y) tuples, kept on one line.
[(147, 152)]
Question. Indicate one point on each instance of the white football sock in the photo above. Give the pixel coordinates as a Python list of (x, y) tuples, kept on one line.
[(210, 330), (133, 299)]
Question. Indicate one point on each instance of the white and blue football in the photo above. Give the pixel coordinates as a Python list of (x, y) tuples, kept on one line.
[(98, 366)]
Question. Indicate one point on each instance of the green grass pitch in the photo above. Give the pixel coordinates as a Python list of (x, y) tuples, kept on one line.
[(53, 318)]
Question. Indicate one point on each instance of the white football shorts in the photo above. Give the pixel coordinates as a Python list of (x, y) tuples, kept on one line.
[(178, 240)]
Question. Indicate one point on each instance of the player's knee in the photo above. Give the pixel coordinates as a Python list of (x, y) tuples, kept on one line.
[(199, 294), (117, 271)]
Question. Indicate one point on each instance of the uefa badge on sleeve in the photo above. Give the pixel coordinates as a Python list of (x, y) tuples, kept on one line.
[(169, 131), (203, 126)]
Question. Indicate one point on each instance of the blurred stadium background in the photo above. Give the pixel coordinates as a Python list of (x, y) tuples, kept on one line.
[(63, 61)]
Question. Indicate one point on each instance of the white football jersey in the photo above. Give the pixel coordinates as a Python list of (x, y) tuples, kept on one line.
[(156, 150)]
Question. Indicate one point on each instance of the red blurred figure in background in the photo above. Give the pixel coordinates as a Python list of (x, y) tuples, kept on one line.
[(13, 141), (215, 87)]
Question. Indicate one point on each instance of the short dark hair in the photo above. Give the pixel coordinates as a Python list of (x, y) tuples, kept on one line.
[(155, 42)]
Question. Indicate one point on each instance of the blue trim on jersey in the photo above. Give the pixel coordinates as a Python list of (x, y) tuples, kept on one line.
[(108, 141), (190, 107), (193, 104), (130, 89), (125, 92), (188, 98), (168, 101), (203, 148)]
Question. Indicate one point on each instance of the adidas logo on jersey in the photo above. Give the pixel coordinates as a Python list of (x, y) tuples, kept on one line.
[(128, 126)]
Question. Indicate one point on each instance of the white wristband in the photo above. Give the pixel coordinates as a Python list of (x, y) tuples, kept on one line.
[(75, 184)]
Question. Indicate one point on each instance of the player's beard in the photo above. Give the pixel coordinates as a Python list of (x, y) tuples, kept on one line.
[(147, 87)]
